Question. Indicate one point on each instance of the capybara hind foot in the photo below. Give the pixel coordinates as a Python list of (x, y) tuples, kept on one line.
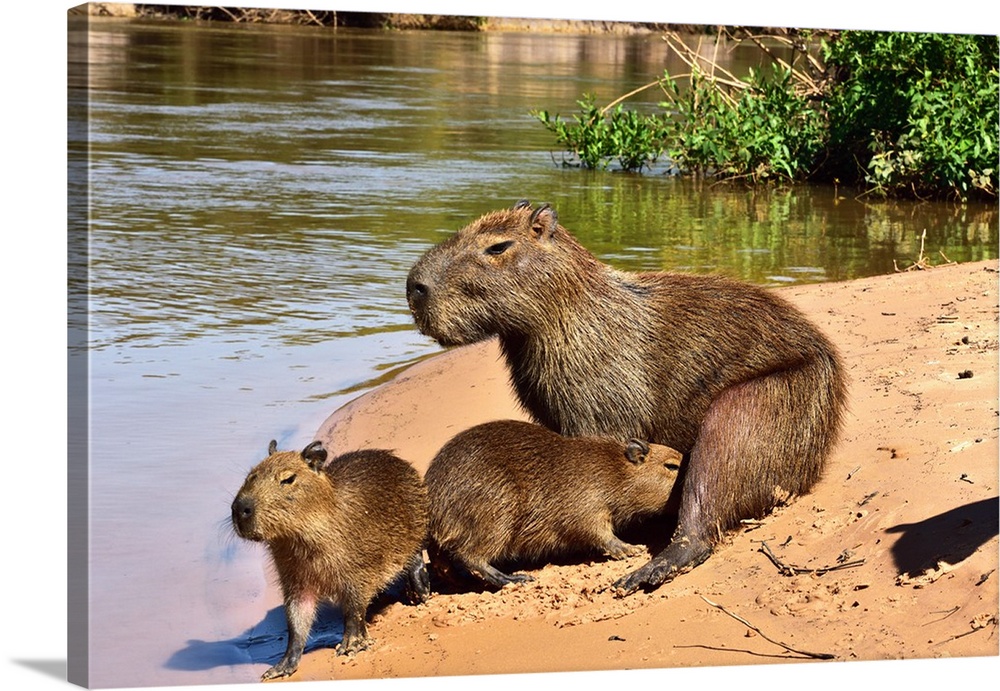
[(497, 578), (680, 556), (616, 549)]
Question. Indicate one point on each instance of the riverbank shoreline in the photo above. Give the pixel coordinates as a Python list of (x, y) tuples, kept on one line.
[(909, 498), (390, 21)]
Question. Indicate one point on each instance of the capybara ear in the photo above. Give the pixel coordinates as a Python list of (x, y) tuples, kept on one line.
[(544, 220), (521, 204), (314, 455), (272, 447), (636, 451)]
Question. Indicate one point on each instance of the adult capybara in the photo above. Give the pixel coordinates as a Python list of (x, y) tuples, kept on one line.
[(341, 532), (728, 373), (509, 491)]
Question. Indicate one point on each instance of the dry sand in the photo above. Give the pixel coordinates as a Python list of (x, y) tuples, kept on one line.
[(906, 517)]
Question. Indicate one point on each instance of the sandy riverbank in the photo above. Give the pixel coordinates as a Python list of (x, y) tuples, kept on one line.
[(911, 493)]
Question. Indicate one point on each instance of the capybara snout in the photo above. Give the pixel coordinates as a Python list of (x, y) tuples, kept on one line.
[(243, 512), (459, 288)]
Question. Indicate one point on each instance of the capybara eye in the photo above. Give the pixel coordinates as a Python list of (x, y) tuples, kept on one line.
[(498, 248), (288, 480)]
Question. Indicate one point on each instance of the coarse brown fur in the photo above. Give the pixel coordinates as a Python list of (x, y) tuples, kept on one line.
[(726, 372), (341, 532), (512, 491)]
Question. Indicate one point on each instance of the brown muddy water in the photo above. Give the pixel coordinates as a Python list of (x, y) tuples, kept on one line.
[(257, 196)]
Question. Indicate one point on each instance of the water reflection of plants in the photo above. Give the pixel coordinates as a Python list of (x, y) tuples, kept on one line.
[(767, 234)]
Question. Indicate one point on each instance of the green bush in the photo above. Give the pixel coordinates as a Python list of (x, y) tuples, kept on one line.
[(894, 113), (763, 131), (914, 112), (598, 136)]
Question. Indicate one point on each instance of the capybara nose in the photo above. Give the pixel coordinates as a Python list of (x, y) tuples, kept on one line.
[(243, 508), (416, 293)]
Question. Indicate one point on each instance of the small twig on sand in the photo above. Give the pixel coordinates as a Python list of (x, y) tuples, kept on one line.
[(818, 656), (977, 624), (947, 613), (787, 570)]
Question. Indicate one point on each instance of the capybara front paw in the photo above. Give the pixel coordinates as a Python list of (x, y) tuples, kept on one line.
[(518, 578), (284, 668), (680, 556)]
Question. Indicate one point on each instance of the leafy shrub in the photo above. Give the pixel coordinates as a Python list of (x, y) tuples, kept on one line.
[(761, 131), (896, 113), (914, 112), (598, 137)]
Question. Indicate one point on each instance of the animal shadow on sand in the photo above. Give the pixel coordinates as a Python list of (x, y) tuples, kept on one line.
[(265, 642), (951, 536)]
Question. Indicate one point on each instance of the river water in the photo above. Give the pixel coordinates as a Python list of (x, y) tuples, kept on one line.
[(257, 196)]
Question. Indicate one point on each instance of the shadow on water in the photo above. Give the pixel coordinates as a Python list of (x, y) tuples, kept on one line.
[(952, 536), (264, 643)]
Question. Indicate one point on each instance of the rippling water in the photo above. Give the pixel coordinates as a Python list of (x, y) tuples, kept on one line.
[(257, 195)]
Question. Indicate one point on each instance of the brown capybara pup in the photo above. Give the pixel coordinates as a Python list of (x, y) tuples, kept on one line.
[(509, 491), (728, 373), (340, 532)]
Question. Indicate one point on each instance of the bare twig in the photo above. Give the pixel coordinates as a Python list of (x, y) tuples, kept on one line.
[(231, 15), (786, 570), (818, 656), (947, 613), (691, 57), (631, 93), (800, 77), (977, 624), (923, 262)]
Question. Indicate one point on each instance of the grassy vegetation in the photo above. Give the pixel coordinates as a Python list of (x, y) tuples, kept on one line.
[(897, 114)]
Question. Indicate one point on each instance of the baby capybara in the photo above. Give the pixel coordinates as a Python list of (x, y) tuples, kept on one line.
[(342, 532), (509, 491), (728, 373)]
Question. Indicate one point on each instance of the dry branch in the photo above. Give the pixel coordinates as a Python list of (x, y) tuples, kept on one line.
[(805, 80), (786, 570), (818, 656)]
